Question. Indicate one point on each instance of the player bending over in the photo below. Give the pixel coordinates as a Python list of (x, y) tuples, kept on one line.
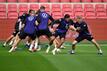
[(84, 33), (18, 27), (60, 33), (28, 30)]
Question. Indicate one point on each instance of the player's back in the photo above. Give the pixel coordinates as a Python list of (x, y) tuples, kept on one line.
[(64, 25), (43, 19), (30, 25)]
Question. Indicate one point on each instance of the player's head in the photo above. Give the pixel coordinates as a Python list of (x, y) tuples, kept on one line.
[(78, 18), (42, 8), (67, 17), (31, 12), (24, 14)]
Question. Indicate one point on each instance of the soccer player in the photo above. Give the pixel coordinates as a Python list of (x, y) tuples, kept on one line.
[(29, 30), (60, 33), (43, 26), (84, 33), (18, 27)]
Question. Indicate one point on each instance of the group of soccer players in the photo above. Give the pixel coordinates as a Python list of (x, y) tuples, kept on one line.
[(35, 24)]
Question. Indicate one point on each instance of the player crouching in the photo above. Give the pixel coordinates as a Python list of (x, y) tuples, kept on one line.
[(84, 33), (64, 24)]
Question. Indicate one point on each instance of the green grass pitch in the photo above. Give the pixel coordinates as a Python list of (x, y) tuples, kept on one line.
[(85, 59)]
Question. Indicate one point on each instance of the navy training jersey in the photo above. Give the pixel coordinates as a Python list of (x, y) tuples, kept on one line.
[(63, 24), (30, 26), (21, 20), (43, 19), (83, 28)]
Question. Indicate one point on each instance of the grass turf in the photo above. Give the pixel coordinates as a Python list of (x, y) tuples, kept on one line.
[(85, 59)]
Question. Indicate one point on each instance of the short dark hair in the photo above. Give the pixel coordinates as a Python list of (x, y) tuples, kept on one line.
[(42, 7), (66, 16), (30, 10)]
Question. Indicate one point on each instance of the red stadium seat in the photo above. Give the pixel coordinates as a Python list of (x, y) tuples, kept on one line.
[(89, 11), (32, 0), (3, 14), (77, 5), (43, 0), (3, 7), (12, 7), (100, 11), (86, 0), (57, 15), (56, 11), (78, 8), (96, 0), (2, 0), (75, 1), (90, 15), (104, 0), (66, 5), (22, 0), (47, 7), (12, 11), (34, 6), (101, 15), (12, 15), (65, 0), (88, 7), (67, 9), (54, 0), (11, 0), (79, 14), (23, 8), (56, 7), (100, 7)]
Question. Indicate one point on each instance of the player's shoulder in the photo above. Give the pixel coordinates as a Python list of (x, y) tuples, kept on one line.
[(84, 23), (61, 19)]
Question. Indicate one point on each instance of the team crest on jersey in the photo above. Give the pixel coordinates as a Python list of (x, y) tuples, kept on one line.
[(44, 15), (30, 18)]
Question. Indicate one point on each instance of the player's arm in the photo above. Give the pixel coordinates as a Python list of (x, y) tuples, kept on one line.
[(38, 18), (51, 18), (82, 28), (55, 22), (71, 27)]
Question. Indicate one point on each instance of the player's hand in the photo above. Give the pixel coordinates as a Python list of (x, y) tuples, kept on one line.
[(52, 30), (78, 28)]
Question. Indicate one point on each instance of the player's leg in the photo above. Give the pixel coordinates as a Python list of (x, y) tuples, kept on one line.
[(97, 46), (27, 41), (21, 35), (77, 40), (36, 44), (73, 47), (58, 46), (15, 44), (33, 46), (51, 38), (15, 34), (8, 39)]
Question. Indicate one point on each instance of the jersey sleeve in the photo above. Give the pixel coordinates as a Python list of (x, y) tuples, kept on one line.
[(83, 27), (55, 22), (71, 22), (51, 18)]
